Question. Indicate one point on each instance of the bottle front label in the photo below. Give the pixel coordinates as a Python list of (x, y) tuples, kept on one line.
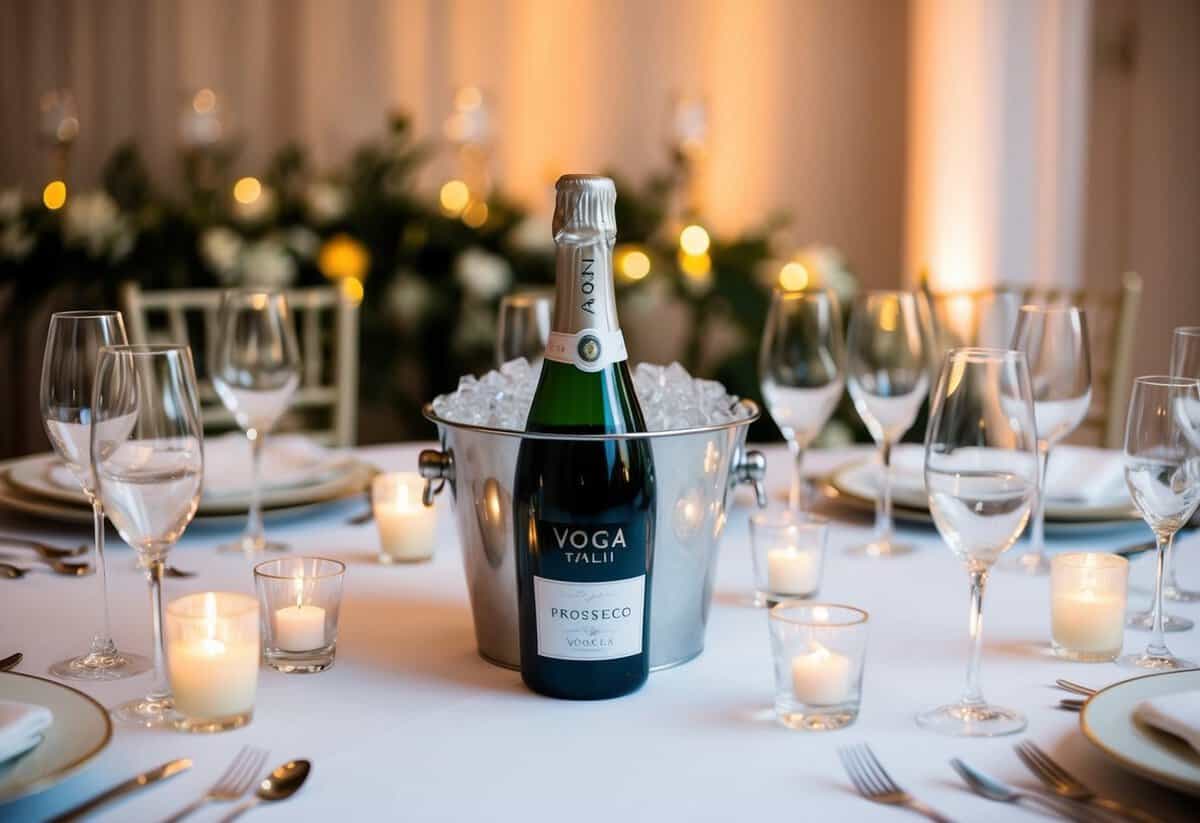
[(588, 350), (589, 621)]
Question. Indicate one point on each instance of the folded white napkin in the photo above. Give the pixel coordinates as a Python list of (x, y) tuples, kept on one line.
[(21, 727), (1177, 714), (1079, 474), (288, 461)]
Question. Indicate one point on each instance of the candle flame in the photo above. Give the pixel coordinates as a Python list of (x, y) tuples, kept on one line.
[(298, 587)]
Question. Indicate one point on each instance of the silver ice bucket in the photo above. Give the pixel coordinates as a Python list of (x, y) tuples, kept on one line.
[(695, 470)]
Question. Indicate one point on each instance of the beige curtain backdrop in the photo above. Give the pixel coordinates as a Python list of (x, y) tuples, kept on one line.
[(807, 97)]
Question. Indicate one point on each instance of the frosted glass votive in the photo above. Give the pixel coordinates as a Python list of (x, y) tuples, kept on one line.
[(300, 599), (213, 652), (788, 555), (406, 525), (1088, 592)]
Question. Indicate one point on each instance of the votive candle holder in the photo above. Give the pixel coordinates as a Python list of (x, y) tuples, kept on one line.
[(300, 598), (213, 654), (819, 650), (787, 554), (406, 525), (1088, 594)]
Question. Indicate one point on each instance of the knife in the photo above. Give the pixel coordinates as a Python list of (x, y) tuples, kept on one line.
[(164, 771)]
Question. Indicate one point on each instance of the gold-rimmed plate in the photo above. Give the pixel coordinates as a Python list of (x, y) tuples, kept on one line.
[(1107, 720), (80, 731)]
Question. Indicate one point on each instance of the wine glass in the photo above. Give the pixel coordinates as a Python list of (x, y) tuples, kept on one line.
[(1055, 342), (147, 454), (524, 326), (981, 473), (800, 366), (1185, 362), (887, 372), (255, 371), (1162, 470), (68, 372)]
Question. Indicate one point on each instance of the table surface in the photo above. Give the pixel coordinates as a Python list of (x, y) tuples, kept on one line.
[(411, 723)]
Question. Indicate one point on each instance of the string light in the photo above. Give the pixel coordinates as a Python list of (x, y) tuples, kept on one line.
[(696, 266), (352, 289), (454, 196), (694, 240), (636, 265), (793, 277), (344, 258), (55, 194), (247, 190), (476, 214)]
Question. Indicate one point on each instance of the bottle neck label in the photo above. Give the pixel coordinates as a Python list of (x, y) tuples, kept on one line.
[(589, 350)]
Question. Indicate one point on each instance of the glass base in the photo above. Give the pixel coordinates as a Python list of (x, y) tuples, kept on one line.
[(96, 666), (1179, 594), (1154, 662), (880, 548), (148, 712), (1077, 656), (213, 725), (386, 559), (317, 660), (816, 720), (1034, 564), (765, 600), (247, 544), (1144, 622), (982, 720)]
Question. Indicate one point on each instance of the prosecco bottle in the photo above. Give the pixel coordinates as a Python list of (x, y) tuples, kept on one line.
[(584, 509)]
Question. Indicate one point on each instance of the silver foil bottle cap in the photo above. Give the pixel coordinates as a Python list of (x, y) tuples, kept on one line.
[(585, 207)]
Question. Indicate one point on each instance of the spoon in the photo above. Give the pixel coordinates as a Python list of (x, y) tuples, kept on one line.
[(280, 784), (11, 661), (991, 788)]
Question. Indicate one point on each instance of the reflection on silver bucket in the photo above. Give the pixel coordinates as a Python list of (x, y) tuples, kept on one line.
[(695, 470)]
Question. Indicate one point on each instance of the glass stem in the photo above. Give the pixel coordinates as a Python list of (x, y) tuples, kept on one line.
[(883, 504), (160, 690), (1169, 581), (254, 524), (973, 695), (102, 642), (1037, 534), (1158, 644), (798, 497)]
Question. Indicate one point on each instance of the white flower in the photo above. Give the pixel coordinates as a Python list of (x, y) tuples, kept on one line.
[(484, 275), (10, 204), (408, 299), (533, 234), (303, 242), (221, 247), (92, 220), (267, 264), (325, 202), (258, 210), (15, 242)]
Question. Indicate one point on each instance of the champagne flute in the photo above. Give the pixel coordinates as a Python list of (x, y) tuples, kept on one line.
[(1055, 342), (68, 371), (800, 366), (524, 326), (981, 473), (1185, 362), (887, 373), (1162, 470), (147, 454), (255, 371)]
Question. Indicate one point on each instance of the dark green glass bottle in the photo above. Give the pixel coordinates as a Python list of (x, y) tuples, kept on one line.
[(584, 510)]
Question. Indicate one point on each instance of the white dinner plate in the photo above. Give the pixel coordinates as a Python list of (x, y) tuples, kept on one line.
[(1107, 721), (81, 729), (861, 479)]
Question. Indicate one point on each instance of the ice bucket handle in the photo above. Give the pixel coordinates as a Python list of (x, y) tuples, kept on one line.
[(435, 466), (751, 467)]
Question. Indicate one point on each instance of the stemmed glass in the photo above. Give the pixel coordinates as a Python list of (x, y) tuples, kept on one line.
[(1055, 342), (255, 371), (1162, 470), (1185, 362), (524, 326), (981, 473), (800, 366), (887, 373), (68, 372), (147, 453)]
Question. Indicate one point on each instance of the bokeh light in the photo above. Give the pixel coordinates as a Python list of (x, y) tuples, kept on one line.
[(352, 289), (696, 266), (632, 263), (454, 196), (694, 240), (55, 194), (343, 257), (468, 98), (247, 190), (476, 214), (204, 101), (793, 277)]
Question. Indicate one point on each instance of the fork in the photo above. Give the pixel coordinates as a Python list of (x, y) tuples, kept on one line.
[(234, 783), (1063, 783), (44, 549), (874, 783)]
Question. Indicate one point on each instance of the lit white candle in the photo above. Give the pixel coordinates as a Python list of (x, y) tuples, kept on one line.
[(1088, 621), (406, 525), (790, 571), (821, 677), (300, 628), (213, 678)]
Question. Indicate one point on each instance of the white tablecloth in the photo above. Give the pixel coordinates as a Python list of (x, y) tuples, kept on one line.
[(412, 725)]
